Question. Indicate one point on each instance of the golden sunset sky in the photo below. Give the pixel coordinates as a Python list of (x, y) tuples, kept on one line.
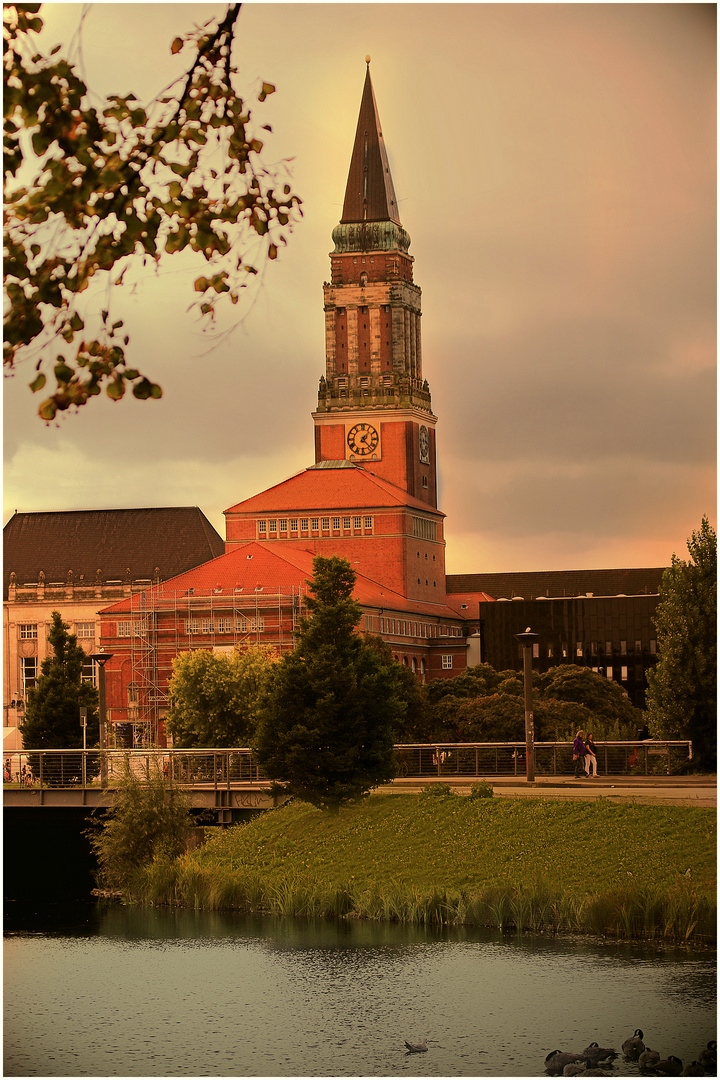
[(555, 166)]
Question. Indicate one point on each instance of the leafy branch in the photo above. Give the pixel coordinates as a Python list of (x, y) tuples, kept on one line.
[(91, 192)]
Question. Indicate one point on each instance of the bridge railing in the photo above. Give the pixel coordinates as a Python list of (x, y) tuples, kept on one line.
[(237, 767)]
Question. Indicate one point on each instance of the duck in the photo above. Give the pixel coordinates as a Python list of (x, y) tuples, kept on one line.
[(580, 1070), (648, 1058), (556, 1061), (416, 1048), (634, 1046), (693, 1069), (708, 1057), (669, 1066), (595, 1054)]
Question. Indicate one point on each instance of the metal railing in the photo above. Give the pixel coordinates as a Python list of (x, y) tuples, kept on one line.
[(233, 768)]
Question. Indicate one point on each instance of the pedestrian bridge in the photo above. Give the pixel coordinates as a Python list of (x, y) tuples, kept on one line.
[(229, 782)]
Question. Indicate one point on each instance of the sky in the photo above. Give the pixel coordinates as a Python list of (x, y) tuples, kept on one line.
[(555, 167)]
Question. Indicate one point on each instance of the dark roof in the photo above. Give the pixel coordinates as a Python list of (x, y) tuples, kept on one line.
[(370, 195), (635, 582), (118, 543)]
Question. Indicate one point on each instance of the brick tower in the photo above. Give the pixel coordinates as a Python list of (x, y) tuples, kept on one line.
[(373, 404)]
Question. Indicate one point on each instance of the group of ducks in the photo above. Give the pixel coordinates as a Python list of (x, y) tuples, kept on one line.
[(588, 1063)]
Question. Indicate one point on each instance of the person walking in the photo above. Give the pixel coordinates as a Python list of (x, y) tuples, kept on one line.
[(590, 755), (579, 754)]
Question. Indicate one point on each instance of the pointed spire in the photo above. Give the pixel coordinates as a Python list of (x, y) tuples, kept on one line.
[(370, 195)]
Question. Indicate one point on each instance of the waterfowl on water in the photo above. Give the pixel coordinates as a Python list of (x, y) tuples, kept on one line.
[(595, 1054), (708, 1057), (693, 1069), (669, 1066), (416, 1048), (648, 1058), (634, 1046), (556, 1061)]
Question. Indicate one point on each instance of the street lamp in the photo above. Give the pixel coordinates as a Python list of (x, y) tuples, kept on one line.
[(527, 640), (101, 659)]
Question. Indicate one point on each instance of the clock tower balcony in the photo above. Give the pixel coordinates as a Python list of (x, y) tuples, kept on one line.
[(373, 391)]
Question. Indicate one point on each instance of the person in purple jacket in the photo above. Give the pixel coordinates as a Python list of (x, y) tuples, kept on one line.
[(579, 754)]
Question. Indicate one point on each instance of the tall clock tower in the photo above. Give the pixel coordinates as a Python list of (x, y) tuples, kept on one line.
[(374, 406)]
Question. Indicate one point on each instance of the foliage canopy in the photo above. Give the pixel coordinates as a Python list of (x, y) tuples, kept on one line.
[(328, 721), (682, 688), (95, 191), (215, 696), (52, 716)]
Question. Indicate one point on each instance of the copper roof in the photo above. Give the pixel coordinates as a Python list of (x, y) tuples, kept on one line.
[(369, 195), (118, 543)]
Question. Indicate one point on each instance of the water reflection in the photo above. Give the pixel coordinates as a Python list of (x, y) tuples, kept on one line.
[(133, 992)]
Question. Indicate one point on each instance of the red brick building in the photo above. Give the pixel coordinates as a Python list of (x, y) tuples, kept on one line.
[(370, 496)]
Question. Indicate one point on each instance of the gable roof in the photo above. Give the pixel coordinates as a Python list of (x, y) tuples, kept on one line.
[(266, 569), (336, 485), (118, 543), (559, 583)]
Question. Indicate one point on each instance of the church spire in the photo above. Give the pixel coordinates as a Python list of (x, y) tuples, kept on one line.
[(370, 195)]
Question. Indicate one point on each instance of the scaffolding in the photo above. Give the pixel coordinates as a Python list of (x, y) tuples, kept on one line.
[(163, 625)]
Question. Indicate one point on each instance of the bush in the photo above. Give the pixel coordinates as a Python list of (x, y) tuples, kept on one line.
[(483, 790)]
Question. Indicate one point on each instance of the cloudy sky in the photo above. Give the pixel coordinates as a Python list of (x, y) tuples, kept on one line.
[(555, 168)]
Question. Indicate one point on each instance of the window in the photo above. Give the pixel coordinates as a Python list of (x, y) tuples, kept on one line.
[(262, 527), (336, 524), (447, 661), (206, 626), (623, 674), (608, 672), (623, 648), (257, 625), (368, 622), (368, 523), (326, 524), (293, 525), (550, 650), (28, 672), (578, 648), (192, 626), (357, 523), (653, 647), (304, 526), (424, 528), (608, 648), (88, 671), (85, 629), (272, 526), (224, 626), (124, 629), (132, 694), (536, 649), (315, 524), (28, 630), (240, 624), (283, 525), (346, 523)]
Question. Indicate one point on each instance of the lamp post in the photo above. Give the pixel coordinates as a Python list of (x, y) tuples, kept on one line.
[(527, 640), (101, 659)]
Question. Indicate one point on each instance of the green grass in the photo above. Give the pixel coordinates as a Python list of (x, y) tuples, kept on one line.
[(539, 864)]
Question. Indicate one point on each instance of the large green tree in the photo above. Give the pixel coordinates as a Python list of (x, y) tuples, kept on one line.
[(328, 722), (52, 717), (215, 696), (682, 688), (96, 193)]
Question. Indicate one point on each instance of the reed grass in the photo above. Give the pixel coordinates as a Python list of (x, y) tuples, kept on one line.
[(516, 865)]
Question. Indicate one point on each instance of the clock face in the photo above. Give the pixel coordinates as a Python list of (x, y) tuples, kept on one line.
[(424, 445), (362, 439)]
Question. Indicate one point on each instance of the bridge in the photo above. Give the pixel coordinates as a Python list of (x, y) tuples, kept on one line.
[(228, 783)]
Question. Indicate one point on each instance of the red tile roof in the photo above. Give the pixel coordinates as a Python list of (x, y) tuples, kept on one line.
[(274, 568), (558, 583), (336, 486)]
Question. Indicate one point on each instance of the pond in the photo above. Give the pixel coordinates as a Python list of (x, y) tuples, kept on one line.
[(108, 990)]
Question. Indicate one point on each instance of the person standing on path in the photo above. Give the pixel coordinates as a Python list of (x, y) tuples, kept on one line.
[(590, 755), (579, 754)]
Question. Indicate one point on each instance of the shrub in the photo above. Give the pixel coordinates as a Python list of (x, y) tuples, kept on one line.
[(483, 790)]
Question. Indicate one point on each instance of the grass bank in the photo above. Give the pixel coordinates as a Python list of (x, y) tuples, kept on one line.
[(443, 859)]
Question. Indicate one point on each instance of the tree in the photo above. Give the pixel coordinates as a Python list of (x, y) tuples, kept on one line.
[(328, 721), (682, 688), (215, 696), (148, 820), (52, 717), (91, 192)]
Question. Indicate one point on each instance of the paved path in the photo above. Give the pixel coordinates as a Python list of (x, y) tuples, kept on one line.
[(658, 790)]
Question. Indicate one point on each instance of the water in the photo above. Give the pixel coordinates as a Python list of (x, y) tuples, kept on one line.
[(118, 991)]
